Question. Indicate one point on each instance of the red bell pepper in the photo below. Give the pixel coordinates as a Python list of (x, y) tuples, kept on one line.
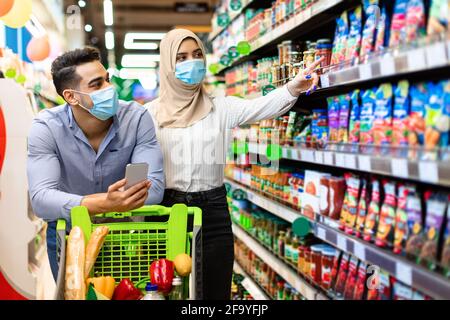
[(161, 274), (125, 290)]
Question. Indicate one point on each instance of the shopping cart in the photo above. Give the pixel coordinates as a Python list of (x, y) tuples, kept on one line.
[(130, 247)]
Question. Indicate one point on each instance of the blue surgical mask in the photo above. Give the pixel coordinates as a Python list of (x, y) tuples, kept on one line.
[(191, 71), (105, 103)]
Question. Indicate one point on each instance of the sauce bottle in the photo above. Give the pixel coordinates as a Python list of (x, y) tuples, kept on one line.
[(281, 239), (294, 251), (288, 247)]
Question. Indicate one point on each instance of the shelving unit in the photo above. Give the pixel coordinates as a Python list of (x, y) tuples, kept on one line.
[(249, 284), (326, 229)]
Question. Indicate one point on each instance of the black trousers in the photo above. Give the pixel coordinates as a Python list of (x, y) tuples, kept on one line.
[(218, 248)]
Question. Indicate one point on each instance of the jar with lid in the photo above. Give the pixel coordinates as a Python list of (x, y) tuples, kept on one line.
[(324, 49), (328, 255), (308, 58), (316, 263)]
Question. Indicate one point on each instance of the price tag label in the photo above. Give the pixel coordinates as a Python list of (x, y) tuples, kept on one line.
[(341, 242), (324, 80), (350, 161), (387, 65), (321, 233), (428, 171), (403, 272), (328, 158), (359, 250), (340, 160), (365, 71), (319, 157), (416, 59), (436, 55), (399, 167), (364, 163), (295, 155), (307, 155)]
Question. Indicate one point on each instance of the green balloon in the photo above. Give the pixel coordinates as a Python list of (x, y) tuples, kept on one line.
[(21, 79), (273, 152), (301, 227), (10, 73), (244, 48), (214, 68)]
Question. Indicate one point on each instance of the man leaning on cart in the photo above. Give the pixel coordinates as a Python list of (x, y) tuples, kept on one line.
[(78, 152)]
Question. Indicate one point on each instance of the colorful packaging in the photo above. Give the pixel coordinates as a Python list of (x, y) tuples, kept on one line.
[(344, 212), (445, 257), (354, 36), (401, 219), (360, 286), (334, 271), (319, 126), (312, 182), (340, 40), (382, 121), (415, 21), (333, 118), (385, 233), (401, 291), (367, 115), (337, 194), (310, 205), (363, 204), (401, 112), (373, 214), (438, 17), (342, 275), (350, 283), (419, 98), (353, 185), (368, 35), (444, 126), (436, 206), (382, 34), (324, 197), (344, 114), (398, 26), (354, 125), (436, 120), (415, 239), (383, 290)]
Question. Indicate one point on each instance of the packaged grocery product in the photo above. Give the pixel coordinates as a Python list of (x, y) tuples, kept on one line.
[(290, 128), (344, 114), (381, 33), (381, 291), (401, 291), (354, 36), (445, 256), (316, 263), (401, 218), (333, 118), (310, 205), (415, 20), (401, 112), (360, 285), (342, 275), (324, 206), (354, 123), (319, 126), (417, 295), (438, 17), (335, 270), (436, 205), (296, 188), (436, 120), (415, 238), (368, 34), (382, 120), (328, 258), (337, 193), (444, 126), (398, 26), (344, 212), (373, 214), (419, 98), (385, 233), (312, 182), (340, 40), (350, 283), (363, 204), (353, 186), (366, 116)]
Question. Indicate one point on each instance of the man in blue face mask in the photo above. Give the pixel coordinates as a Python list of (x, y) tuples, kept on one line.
[(78, 152)]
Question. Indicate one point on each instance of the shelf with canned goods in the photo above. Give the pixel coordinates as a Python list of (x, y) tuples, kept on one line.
[(327, 229), (249, 284)]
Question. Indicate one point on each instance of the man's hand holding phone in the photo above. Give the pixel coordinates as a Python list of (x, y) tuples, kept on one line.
[(130, 199)]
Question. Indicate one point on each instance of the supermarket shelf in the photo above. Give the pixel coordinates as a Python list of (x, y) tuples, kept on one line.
[(406, 271), (250, 285), (275, 263), (432, 172)]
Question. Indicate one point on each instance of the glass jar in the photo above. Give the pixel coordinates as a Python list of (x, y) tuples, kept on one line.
[(316, 264), (307, 266), (324, 49), (281, 239), (328, 255), (301, 259), (288, 247), (294, 251), (308, 58)]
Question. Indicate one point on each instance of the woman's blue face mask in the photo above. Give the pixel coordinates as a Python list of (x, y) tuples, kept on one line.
[(191, 71), (105, 103)]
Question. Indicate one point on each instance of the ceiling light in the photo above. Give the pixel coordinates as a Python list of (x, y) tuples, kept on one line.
[(137, 73), (109, 40), (82, 4), (146, 35), (132, 43), (148, 84), (139, 60), (108, 12), (88, 28)]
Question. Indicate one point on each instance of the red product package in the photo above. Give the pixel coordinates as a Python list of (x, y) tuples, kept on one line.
[(337, 192), (401, 219), (363, 204), (350, 284), (371, 223), (360, 286), (353, 186), (342, 275), (385, 233), (334, 271)]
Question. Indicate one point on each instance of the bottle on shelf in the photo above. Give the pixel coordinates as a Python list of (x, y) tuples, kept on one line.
[(288, 246), (152, 292), (177, 289)]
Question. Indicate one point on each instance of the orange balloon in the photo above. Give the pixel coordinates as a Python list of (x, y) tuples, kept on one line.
[(38, 49), (5, 6)]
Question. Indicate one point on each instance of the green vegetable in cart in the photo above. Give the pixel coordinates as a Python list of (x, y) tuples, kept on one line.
[(183, 264), (126, 290), (161, 274)]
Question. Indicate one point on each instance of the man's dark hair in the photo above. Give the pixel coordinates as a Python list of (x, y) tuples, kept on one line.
[(64, 67)]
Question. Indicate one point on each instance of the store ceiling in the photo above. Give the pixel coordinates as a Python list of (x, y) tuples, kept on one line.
[(139, 16)]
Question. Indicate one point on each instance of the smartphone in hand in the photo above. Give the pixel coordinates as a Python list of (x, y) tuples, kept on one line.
[(135, 173)]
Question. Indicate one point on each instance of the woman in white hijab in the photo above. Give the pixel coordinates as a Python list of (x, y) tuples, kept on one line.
[(194, 130)]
